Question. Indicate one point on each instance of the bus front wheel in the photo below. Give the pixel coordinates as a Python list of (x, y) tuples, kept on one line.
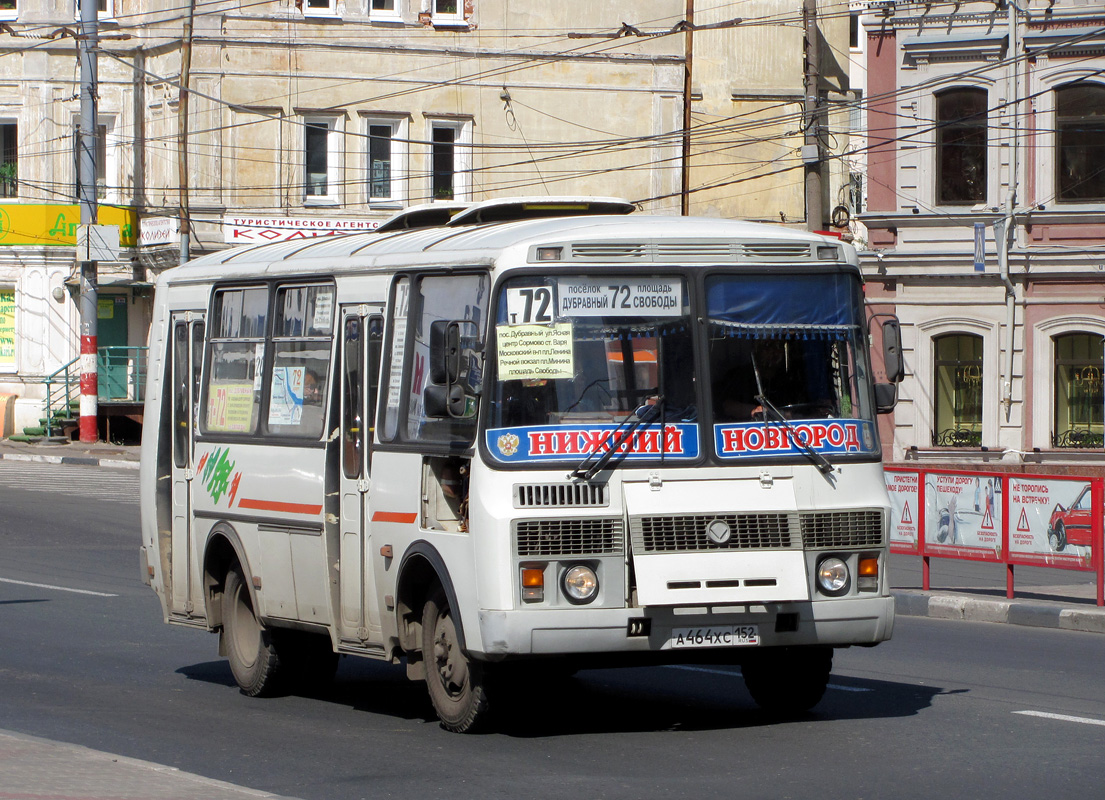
[(253, 657), (788, 680), (455, 682)]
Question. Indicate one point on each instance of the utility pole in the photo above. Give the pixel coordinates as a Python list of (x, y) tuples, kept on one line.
[(87, 42), (688, 63), (811, 118), (182, 132)]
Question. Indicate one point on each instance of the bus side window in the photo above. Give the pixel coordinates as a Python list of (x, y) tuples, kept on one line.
[(353, 422), (375, 354), (181, 394)]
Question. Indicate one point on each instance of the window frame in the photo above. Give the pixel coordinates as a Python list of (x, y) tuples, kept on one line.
[(1058, 141), (958, 424), (10, 13), (394, 14), (107, 163), (1093, 430), (942, 128), (407, 309), (462, 158), (397, 181), (332, 196), (331, 9), (13, 147)]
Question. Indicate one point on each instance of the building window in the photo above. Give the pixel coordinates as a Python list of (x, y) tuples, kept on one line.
[(9, 160), (9, 9), (102, 165), (1079, 399), (961, 147), (449, 13), (1080, 129), (384, 9), (320, 162), (386, 156), (449, 160), (105, 9), (319, 8), (957, 378)]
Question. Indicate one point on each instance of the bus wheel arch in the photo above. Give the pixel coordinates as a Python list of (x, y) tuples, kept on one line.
[(223, 553), (421, 571)]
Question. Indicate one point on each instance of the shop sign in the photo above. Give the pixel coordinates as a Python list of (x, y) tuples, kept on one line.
[(258, 230)]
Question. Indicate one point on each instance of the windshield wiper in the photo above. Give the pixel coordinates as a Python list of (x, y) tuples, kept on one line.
[(823, 464), (620, 437)]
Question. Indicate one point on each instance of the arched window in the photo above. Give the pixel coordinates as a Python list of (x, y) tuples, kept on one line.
[(961, 147), (957, 376), (1080, 135), (1079, 399)]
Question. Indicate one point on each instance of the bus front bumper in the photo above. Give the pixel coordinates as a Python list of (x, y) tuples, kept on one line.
[(548, 632)]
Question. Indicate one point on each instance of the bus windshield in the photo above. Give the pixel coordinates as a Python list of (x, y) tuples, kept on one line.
[(576, 355), (787, 360)]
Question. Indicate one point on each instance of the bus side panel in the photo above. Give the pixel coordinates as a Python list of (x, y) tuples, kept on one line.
[(273, 498), (396, 519)]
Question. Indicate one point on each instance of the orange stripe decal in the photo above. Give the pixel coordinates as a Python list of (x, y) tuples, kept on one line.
[(393, 516), (276, 505)]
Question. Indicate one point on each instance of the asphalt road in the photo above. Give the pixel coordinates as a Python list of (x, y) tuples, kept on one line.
[(945, 709)]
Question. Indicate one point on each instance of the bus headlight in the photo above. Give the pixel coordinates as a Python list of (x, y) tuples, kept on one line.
[(832, 576), (580, 584)]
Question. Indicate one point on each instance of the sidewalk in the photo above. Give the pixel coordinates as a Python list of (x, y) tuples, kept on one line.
[(1046, 598), (97, 454), (34, 768)]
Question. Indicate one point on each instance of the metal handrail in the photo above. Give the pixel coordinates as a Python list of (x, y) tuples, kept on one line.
[(121, 373), (60, 390)]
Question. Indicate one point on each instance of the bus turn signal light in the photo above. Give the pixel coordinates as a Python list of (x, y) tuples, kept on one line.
[(533, 584), (868, 574)]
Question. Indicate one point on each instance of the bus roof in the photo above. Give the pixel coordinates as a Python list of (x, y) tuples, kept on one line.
[(620, 239)]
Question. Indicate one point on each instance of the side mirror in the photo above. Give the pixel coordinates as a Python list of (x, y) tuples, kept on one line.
[(445, 401), (886, 397), (892, 350), (444, 352)]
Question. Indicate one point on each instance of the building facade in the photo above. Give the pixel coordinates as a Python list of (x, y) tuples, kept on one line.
[(237, 123), (985, 220)]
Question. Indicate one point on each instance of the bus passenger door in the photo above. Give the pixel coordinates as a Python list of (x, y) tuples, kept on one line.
[(361, 337), (186, 331)]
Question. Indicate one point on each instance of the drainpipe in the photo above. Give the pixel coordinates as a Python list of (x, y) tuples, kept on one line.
[(1007, 229)]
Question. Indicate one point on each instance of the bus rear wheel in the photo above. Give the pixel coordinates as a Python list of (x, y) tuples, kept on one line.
[(788, 680), (253, 657), (455, 682)]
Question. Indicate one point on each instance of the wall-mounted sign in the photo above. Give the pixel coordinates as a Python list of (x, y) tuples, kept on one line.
[(258, 230)]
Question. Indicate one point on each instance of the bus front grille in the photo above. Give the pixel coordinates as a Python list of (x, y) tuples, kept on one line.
[(828, 529), (568, 537), (560, 495), (690, 532)]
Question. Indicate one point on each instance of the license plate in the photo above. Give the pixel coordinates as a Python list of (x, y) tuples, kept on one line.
[(716, 636)]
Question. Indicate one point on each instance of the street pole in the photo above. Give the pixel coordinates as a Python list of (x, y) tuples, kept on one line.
[(182, 132), (811, 118), (87, 42), (688, 74)]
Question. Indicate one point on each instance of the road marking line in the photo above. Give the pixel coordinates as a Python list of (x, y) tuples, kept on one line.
[(836, 686), (1062, 717), (57, 588)]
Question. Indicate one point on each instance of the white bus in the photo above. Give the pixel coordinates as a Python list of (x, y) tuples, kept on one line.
[(511, 447)]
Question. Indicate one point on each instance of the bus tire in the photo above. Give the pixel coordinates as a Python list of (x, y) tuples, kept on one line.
[(253, 657), (454, 680), (788, 680)]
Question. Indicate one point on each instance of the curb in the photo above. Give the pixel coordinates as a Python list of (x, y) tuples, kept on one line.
[(88, 461), (1011, 612)]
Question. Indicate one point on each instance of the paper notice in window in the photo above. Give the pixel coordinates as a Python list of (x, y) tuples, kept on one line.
[(532, 352)]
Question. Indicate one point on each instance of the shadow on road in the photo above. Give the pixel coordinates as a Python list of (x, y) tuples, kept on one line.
[(630, 700)]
